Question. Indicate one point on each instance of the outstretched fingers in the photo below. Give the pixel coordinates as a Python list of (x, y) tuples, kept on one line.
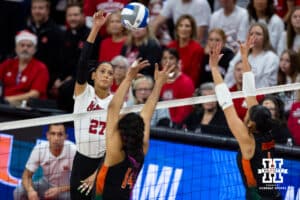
[(98, 14), (143, 64), (169, 69), (250, 41), (136, 67), (214, 55), (139, 63), (218, 49)]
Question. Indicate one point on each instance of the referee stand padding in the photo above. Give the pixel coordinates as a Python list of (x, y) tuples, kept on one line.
[(216, 141)]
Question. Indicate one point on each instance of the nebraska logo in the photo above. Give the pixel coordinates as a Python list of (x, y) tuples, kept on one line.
[(272, 170), (93, 106)]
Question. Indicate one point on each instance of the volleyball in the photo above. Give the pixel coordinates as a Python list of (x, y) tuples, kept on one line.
[(134, 16)]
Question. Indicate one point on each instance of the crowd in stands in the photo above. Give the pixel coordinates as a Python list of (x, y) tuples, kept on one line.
[(42, 41)]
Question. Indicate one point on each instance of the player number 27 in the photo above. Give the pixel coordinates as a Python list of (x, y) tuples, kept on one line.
[(96, 125)]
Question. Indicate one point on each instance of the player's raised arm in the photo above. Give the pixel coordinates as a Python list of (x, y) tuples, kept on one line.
[(99, 20), (237, 127), (248, 76), (149, 107), (113, 113)]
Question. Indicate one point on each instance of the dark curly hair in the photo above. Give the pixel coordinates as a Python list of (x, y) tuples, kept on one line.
[(262, 118), (131, 127)]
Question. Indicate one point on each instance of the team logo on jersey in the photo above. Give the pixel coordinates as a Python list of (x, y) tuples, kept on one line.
[(93, 106), (168, 95), (272, 170)]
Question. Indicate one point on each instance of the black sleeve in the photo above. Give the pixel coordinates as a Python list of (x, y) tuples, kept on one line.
[(82, 68)]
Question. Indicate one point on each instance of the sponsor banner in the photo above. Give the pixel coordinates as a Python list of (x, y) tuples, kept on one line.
[(171, 171)]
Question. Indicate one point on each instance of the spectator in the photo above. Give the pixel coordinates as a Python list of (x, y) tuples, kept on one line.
[(190, 52), (215, 36), (11, 24), (108, 6), (58, 10), (263, 60), (280, 130), (24, 77), (288, 73), (162, 33), (55, 157), (263, 11), (74, 38), (284, 8), (75, 35), (229, 18), (50, 38), (141, 43), (240, 103), (120, 65), (207, 117), (141, 90), (199, 9), (112, 45), (294, 120), (173, 89), (291, 38), (242, 3)]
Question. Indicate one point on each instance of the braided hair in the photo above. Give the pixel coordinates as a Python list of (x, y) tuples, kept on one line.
[(131, 128)]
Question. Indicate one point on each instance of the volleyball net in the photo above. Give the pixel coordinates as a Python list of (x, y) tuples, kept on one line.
[(180, 164)]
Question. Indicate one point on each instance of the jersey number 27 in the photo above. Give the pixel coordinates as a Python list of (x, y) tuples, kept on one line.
[(97, 127)]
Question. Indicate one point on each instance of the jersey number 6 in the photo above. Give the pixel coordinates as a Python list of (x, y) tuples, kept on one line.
[(96, 125)]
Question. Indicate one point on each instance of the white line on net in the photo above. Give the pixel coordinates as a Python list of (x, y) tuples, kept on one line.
[(163, 104)]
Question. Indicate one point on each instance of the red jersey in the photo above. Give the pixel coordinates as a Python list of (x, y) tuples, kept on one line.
[(294, 122), (240, 103), (114, 87), (91, 6), (191, 57), (175, 90), (109, 49), (34, 77), (281, 7), (109, 6)]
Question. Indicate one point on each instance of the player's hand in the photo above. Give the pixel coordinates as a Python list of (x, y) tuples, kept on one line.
[(215, 55), (99, 18), (136, 67), (52, 193), (246, 46), (161, 76), (87, 184), (32, 195)]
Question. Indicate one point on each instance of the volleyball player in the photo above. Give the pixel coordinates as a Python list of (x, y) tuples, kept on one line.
[(127, 139), (89, 130), (254, 136)]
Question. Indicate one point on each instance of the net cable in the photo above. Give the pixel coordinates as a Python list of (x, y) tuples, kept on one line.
[(136, 108)]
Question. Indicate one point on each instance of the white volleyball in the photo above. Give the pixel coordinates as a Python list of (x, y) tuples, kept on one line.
[(134, 16)]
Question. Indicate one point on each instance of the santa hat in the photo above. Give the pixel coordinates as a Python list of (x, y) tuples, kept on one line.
[(26, 35)]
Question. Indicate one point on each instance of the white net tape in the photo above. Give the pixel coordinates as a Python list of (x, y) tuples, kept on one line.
[(163, 104)]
